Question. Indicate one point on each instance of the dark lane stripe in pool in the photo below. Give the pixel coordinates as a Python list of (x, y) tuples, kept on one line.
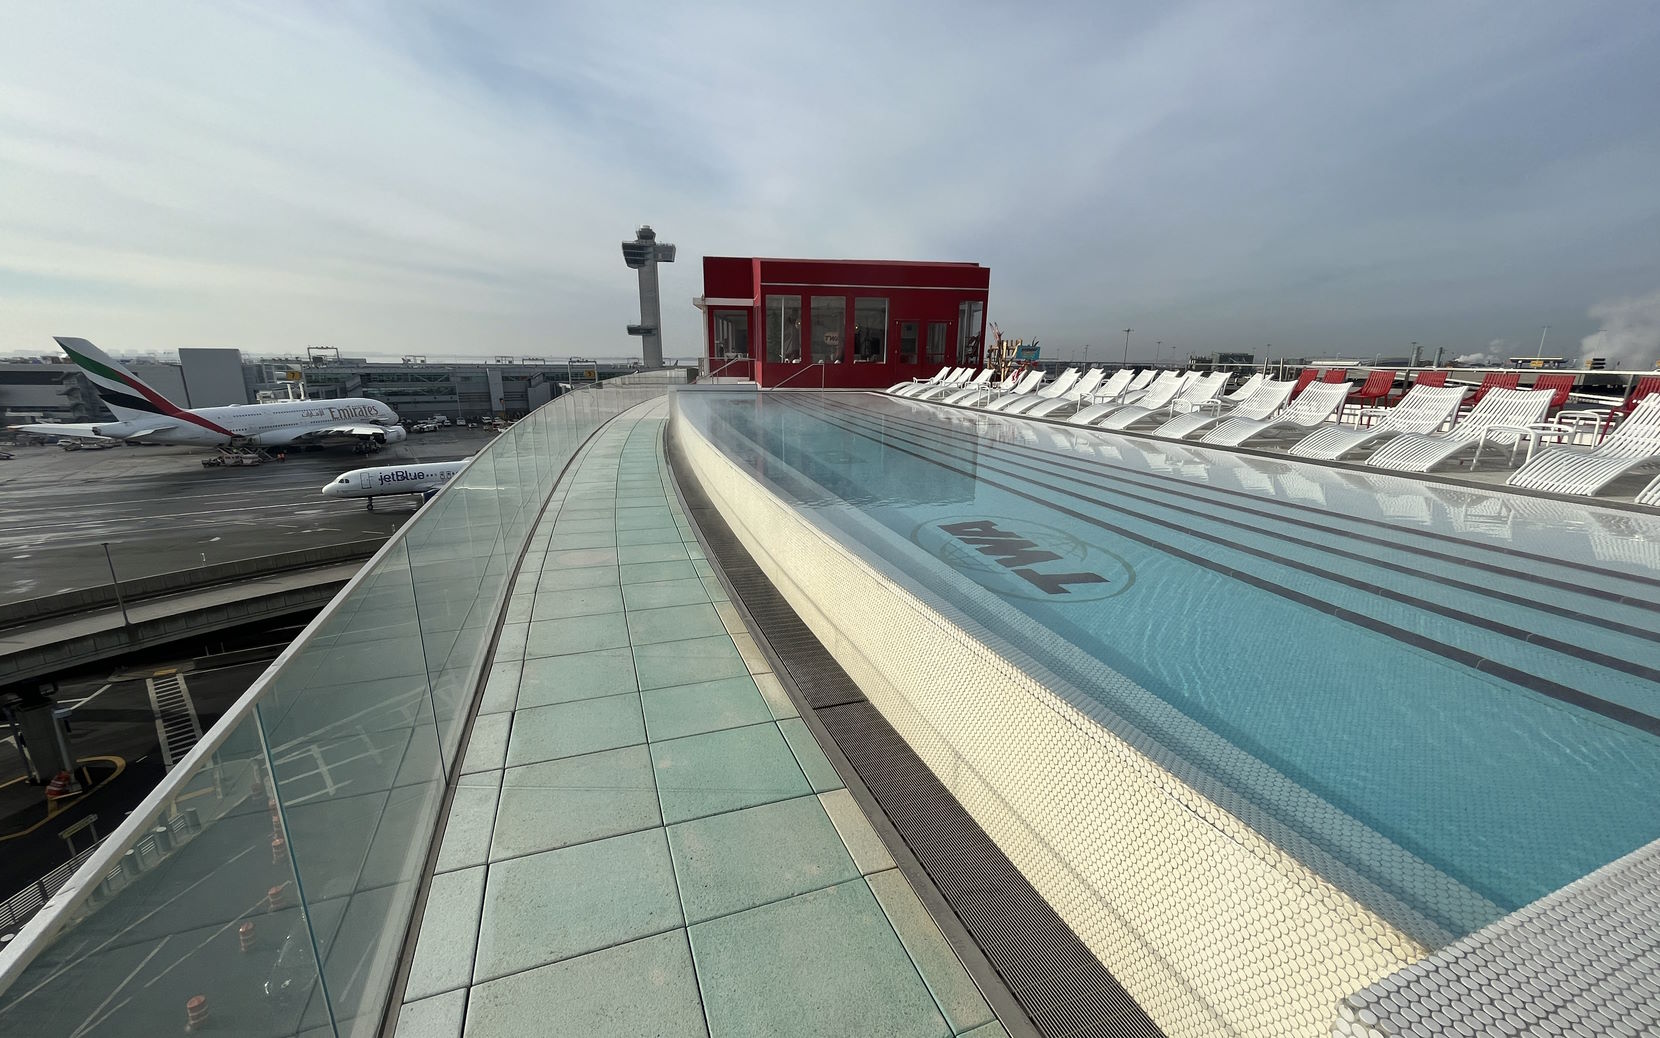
[(1553, 689)]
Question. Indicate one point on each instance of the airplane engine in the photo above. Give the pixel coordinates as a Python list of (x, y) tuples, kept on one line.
[(395, 434)]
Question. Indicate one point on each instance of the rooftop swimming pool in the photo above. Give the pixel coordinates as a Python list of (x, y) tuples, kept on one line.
[(1445, 700)]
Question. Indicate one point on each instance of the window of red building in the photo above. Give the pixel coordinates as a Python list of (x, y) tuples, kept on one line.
[(867, 323)]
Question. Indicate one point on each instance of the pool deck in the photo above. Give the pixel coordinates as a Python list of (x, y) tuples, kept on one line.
[(646, 838)]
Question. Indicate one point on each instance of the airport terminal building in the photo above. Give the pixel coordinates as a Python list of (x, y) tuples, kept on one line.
[(50, 389)]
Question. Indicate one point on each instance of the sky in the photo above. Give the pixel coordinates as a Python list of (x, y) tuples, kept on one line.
[(454, 179)]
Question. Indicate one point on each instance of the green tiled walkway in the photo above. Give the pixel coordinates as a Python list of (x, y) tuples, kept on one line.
[(647, 839)]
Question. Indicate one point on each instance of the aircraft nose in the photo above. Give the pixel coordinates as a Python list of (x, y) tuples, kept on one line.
[(329, 490)]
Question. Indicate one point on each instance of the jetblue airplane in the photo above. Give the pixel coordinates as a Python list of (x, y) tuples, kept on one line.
[(144, 415), (371, 483)]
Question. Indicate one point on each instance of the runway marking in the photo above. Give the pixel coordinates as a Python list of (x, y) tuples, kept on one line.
[(112, 938), (201, 516), (77, 704), (77, 1032), (251, 909), (57, 807)]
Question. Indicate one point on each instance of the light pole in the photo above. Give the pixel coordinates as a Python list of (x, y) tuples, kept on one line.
[(1127, 346), (1086, 354), (1158, 348)]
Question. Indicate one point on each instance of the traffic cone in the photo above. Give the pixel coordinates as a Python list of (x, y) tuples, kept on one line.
[(274, 898), (196, 1013), (245, 936), (59, 786), (278, 849)]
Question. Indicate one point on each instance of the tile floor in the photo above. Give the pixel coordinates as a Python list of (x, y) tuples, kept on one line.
[(646, 839)]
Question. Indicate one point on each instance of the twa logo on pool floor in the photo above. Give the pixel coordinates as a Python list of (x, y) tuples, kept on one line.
[(1018, 558)]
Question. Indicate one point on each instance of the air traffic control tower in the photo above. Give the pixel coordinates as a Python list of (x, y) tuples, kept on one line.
[(643, 254)]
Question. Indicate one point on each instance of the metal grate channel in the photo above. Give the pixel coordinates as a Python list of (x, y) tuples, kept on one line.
[(1060, 984)]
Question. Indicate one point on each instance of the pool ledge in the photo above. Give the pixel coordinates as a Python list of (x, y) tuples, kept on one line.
[(1209, 926)]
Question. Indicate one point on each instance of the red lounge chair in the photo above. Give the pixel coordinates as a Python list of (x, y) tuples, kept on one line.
[(1491, 381), (1374, 390), (1304, 378), (1560, 386), (1436, 377), (1335, 375), (1647, 386)]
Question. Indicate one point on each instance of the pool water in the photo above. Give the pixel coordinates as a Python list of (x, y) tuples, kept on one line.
[(1446, 700)]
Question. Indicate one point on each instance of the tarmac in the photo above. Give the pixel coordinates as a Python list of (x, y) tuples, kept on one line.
[(160, 511)]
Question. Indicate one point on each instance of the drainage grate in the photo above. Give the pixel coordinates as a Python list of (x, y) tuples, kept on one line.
[(1060, 984)]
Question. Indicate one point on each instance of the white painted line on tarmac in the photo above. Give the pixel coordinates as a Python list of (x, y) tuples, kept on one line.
[(77, 1032), (78, 703), (243, 918), (112, 938)]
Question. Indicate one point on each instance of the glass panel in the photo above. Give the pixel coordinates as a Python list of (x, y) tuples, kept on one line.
[(162, 923), (731, 333), (870, 331), (354, 751), (907, 342), (305, 830), (829, 319), (783, 328), (970, 316), (936, 342)]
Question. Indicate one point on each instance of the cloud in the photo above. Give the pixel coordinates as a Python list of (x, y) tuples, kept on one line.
[(451, 178), (1630, 332)]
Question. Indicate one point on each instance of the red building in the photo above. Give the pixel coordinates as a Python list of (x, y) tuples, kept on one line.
[(871, 322)]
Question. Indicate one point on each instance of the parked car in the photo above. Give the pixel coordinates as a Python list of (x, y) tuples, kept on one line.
[(423, 427)]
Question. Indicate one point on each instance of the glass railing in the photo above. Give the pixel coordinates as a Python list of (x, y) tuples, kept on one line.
[(266, 887)]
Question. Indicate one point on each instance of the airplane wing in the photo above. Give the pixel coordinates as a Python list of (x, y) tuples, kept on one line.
[(312, 433), (113, 430)]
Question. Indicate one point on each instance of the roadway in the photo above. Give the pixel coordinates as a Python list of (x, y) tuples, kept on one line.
[(161, 511), (111, 719)]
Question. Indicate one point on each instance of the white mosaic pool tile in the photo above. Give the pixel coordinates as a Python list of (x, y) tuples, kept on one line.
[(1583, 960), (1210, 926)]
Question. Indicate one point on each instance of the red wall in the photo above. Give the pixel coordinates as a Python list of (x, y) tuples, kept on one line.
[(915, 292)]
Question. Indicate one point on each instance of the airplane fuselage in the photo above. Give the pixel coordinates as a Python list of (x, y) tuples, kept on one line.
[(270, 425), (145, 415), (384, 480)]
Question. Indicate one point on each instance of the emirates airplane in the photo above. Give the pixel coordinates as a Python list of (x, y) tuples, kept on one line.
[(144, 415)]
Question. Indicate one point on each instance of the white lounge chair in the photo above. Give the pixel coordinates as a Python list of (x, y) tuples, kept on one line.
[(1114, 387), (1423, 409), (944, 378), (1265, 400), (1073, 398), (1144, 378), (1028, 382), (1195, 394), (1317, 402), (1057, 389), (960, 395), (1650, 495), (1160, 390), (1503, 416), (934, 379), (1246, 388), (936, 392), (1634, 443)]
